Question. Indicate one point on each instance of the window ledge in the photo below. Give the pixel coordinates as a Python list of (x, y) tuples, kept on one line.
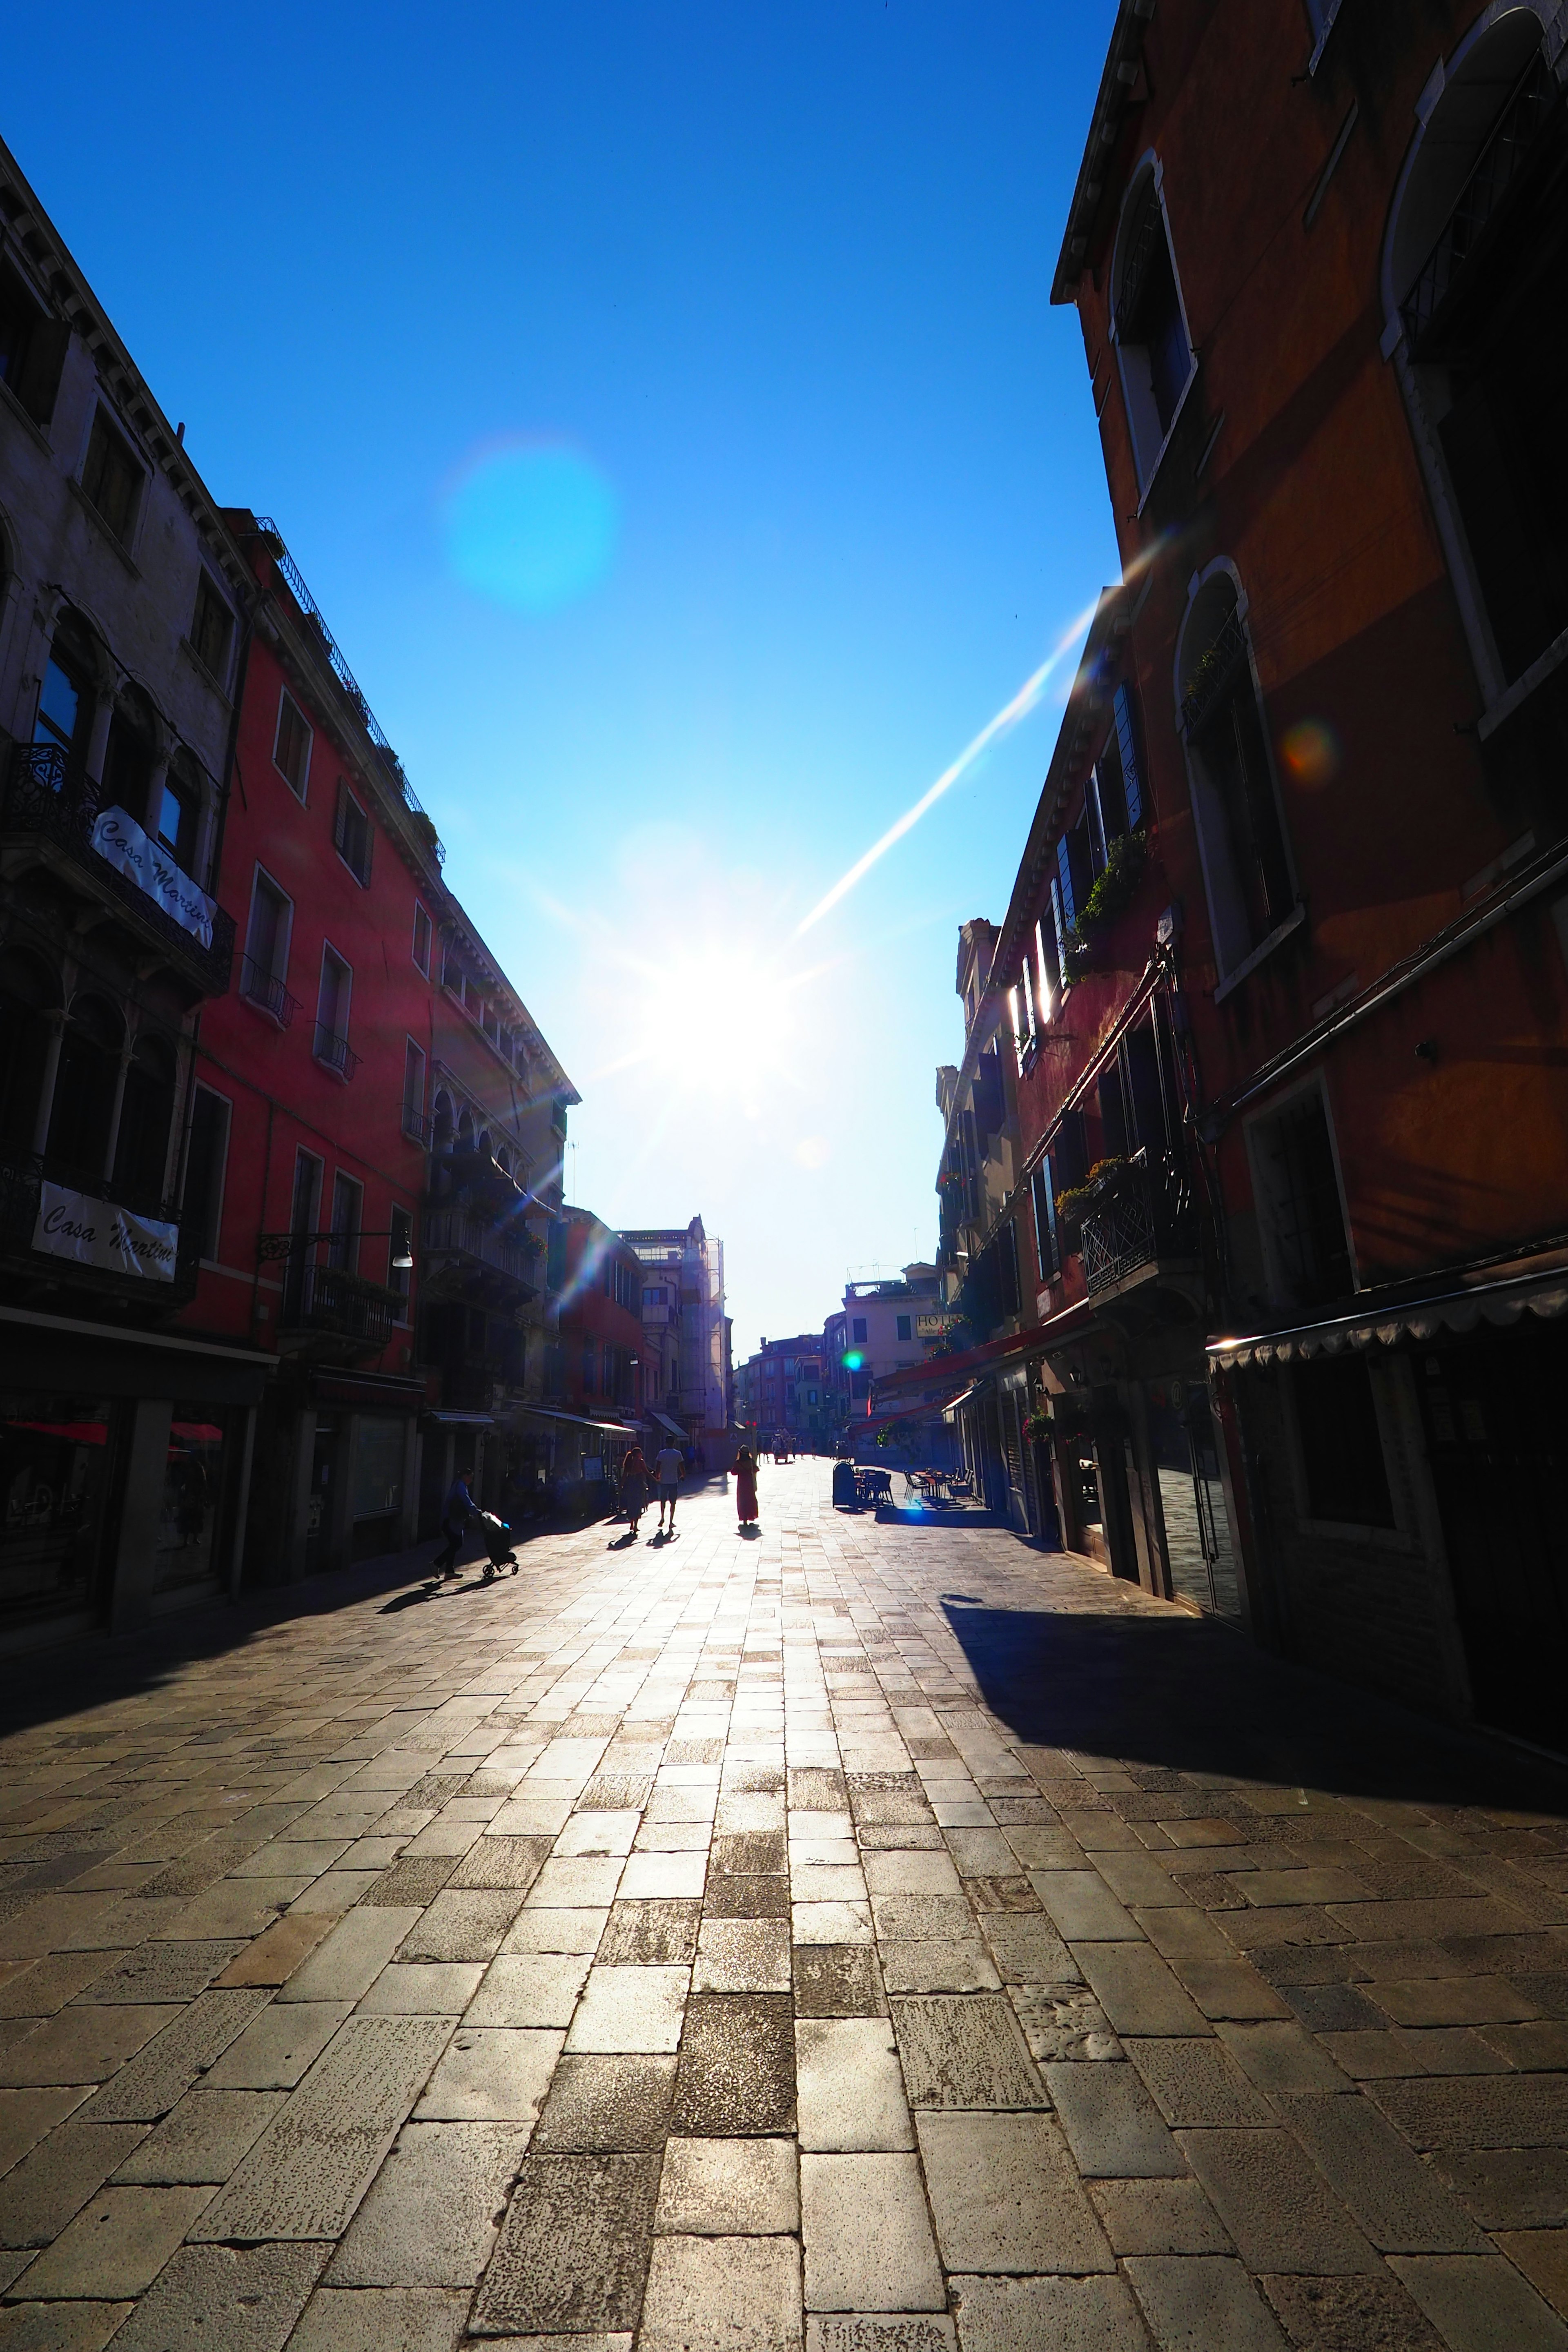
[(104, 528), (1265, 948), (263, 1012), (1163, 451), (1498, 714)]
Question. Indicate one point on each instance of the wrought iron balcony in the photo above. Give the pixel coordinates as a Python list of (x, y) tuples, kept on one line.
[(335, 1053), (418, 1126), (1149, 1215), (476, 1245), (48, 799), (259, 987), (1511, 145), (330, 1299), (21, 1177)]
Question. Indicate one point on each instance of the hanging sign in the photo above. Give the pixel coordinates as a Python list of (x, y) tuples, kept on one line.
[(121, 843), (94, 1233)]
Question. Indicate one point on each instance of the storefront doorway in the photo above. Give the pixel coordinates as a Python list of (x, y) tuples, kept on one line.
[(1183, 1444), (56, 1467)]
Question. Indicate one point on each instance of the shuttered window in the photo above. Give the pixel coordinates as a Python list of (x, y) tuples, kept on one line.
[(1127, 745), (351, 836), (1047, 1247)]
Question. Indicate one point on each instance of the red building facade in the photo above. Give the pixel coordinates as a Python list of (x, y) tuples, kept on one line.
[(1282, 993)]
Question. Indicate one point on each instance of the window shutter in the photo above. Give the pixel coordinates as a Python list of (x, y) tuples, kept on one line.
[(1067, 905), (340, 821), (1044, 1204), (1127, 743), (1059, 919)]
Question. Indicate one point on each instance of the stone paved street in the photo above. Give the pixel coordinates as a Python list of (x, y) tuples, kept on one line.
[(878, 1936)]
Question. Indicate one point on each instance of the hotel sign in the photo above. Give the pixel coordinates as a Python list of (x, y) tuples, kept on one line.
[(121, 843), (93, 1232)]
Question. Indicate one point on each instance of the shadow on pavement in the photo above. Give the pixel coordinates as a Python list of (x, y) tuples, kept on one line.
[(1180, 1694)]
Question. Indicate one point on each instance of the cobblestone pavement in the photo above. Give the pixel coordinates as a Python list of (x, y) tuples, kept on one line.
[(880, 1936)]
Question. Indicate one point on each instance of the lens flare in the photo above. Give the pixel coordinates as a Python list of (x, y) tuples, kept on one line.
[(812, 1151), (532, 524), (1310, 753)]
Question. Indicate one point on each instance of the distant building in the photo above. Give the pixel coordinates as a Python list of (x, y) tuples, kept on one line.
[(687, 1329), (785, 1393)]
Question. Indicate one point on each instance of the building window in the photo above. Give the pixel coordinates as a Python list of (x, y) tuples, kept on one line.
[(146, 1117), (906, 1327), (348, 1217), (858, 1330), (179, 818), (1115, 793), (1300, 1215), (1149, 325), (414, 1121), (65, 698), (1342, 1465), (1046, 1249), (111, 478), (421, 940), (32, 348), (211, 628), (351, 836), (206, 1158), (27, 990), (332, 1044), (86, 1080), (266, 963), (1247, 867), (291, 744), (129, 758)]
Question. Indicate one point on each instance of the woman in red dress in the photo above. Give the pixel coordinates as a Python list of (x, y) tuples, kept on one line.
[(746, 1486)]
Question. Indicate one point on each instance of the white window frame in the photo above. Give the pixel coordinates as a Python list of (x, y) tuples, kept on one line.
[(1137, 397), (301, 790)]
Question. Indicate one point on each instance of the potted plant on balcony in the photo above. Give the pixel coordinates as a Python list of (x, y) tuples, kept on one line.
[(1100, 1186), (1112, 893)]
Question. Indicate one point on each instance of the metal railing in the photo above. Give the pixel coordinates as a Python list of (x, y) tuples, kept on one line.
[(49, 797), (463, 1234), (335, 1053), (259, 987), (328, 1298), (418, 1126), (22, 1175), (1148, 1216), (1214, 673), (345, 676), (1507, 149)]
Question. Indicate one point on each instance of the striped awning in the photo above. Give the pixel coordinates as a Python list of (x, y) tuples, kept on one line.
[(1471, 1308)]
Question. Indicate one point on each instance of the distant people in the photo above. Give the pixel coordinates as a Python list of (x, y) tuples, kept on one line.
[(669, 1470), (636, 1481), (458, 1509), (746, 1486)]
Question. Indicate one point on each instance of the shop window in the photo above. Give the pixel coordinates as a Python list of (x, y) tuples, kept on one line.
[(1343, 1471), (85, 1085), (1247, 867), (265, 966), (1300, 1215), (113, 478), (212, 626), (1149, 325), (55, 1463), (421, 940), (331, 1046), (129, 757), (351, 836), (186, 1542), (27, 990), (291, 745), (32, 347), (206, 1161), (348, 1217), (146, 1115)]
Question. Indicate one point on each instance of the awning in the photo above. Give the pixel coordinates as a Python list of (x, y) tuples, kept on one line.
[(1471, 1306), (665, 1421), (961, 1397), (577, 1420), (463, 1420)]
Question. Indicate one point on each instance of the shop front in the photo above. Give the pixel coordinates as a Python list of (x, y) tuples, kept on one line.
[(125, 1460)]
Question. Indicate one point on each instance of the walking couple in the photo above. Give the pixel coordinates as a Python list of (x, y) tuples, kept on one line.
[(636, 1479)]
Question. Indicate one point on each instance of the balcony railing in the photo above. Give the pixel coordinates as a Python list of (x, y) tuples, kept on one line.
[(418, 1126), (328, 1298), (47, 798), (22, 1175), (259, 987), (1511, 145), (458, 1232), (1148, 1216), (335, 1053)]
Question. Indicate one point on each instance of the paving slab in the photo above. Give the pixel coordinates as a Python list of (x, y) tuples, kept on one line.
[(176, 2058), (203, 2138), (1280, 2211), (608, 2105), (245, 2298), (1478, 2302), (837, 1980), (81, 2045), (729, 2188), (964, 2053), (867, 2236), (1158, 2217), (490, 2074), (849, 2086), (382, 2319), (1068, 2314), (281, 2042), (1005, 2195), (573, 2249), (722, 2294), (306, 2173), (1199, 2303), (430, 2216), (116, 2245), (347, 1963), (40, 2195), (1113, 2125), (535, 1989), (629, 2009), (736, 2071)]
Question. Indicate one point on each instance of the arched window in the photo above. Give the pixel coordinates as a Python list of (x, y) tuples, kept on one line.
[(64, 718), (130, 755), (483, 1146), (28, 990), (146, 1115), (503, 1159), (441, 1115), (466, 1131), (85, 1085), (1474, 271), (1148, 322), (1241, 835)]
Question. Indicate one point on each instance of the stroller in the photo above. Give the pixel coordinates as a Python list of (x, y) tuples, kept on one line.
[(496, 1536)]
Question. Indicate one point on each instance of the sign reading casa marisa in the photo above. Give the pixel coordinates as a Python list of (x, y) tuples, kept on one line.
[(121, 843), (93, 1232)]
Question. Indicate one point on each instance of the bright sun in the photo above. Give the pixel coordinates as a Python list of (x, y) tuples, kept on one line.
[(727, 993)]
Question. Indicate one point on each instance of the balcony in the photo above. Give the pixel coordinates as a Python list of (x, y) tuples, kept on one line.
[(335, 1053), (467, 1254), (111, 1263), (259, 987), (1145, 1214), (47, 802), (330, 1302)]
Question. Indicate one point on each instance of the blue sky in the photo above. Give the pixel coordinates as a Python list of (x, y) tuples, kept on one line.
[(774, 280)]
